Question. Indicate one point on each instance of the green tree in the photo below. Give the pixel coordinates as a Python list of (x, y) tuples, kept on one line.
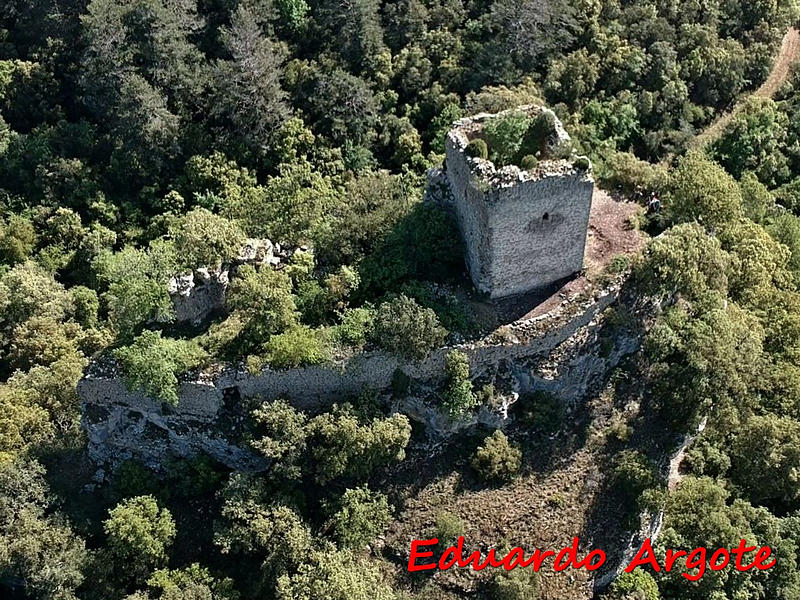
[(685, 261), (265, 298), (634, 473), (140, 534), (137, 285), (335, 576), (754, 141), (152, 364), (404, 327), (17, 239), (191, 583), (361, 516), (497, 459), (253, 523), (757, 200), (354, 30), (765, 458), (341, 446), (459, 398), (281, 436), (700, 190), (38, 545), (637, 585), (203, 239), (532, 29), (248, 86)]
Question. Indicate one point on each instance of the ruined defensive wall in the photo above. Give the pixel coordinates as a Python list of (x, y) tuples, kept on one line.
[(523, 230), (211, 414)]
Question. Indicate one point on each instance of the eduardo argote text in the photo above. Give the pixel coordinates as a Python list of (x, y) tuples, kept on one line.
[(694, 563)]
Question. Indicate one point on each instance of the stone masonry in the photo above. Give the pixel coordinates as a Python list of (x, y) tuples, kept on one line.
[(523, 230), (122, 424)]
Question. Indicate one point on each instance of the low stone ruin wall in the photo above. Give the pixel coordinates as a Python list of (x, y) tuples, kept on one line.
[(211, 412)]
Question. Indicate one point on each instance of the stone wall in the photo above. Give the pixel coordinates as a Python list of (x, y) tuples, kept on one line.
[(121, 424), (522, 230)]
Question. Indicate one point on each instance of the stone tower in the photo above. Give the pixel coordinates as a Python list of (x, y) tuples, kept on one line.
[(523, 230)]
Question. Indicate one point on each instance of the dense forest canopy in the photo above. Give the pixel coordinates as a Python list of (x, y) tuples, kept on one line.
[(143, 139)]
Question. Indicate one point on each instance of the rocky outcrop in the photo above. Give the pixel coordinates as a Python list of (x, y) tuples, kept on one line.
[(197, 295)]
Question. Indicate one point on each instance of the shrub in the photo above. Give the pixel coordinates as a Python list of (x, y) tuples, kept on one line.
[(504, 135), (788, 195), (86, 305), (362, 516), (582, 163), (701, 190), (529, 162), (17, 239), (203, 239), (625, 170), (140, 533), (340, 445), (296, 347), (633, 473), (459, 399), (477, 148), (355, 326), (519, 584), (497, 459), (402, 326), (637, 585), (538, 134), (152, 363), (448, 528)]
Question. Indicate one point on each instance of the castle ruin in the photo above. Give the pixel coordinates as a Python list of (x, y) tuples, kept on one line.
[(523, 230)]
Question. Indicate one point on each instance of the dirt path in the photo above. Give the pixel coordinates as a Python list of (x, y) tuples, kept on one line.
[(789, 53)]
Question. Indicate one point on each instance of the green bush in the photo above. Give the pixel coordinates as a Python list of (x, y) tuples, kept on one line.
[(86, 305), (355, 326), (538, 134), (582, 163), (296, 347), (203, 239), (341, 445), (477, 148), (459, 398), (634, 473), (637, 585), (152, 363), (361, 516), (519, 584), (504, 135), (140, 533), (448, 528), (529, 162), (497, 459), (402, 326)]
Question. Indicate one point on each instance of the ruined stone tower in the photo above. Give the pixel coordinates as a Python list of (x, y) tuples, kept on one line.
[(523, 230)]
